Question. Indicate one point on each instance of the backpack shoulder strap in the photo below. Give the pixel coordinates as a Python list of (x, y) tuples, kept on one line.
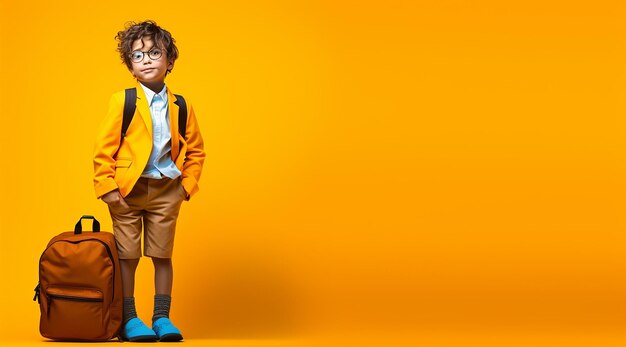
[(182, 114), (130, 103)]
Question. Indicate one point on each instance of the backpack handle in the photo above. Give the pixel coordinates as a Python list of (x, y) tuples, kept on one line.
[(78, 229)]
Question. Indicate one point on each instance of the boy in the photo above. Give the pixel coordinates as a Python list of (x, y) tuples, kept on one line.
[(146, 175)]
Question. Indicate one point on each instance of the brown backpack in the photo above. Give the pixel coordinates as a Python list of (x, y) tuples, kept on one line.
[(80, 286)]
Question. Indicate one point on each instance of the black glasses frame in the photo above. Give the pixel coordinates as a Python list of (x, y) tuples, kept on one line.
[(151, 52)]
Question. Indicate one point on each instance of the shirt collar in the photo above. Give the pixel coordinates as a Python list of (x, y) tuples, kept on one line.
[(150, 94)]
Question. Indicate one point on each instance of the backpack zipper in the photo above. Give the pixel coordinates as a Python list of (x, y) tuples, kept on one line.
[(74, 298), (36, 298), (70, 298)]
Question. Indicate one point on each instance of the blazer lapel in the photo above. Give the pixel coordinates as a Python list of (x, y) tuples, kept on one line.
[(144, 108)]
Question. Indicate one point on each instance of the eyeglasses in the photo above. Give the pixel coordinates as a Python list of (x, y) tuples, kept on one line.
[(154, 54)]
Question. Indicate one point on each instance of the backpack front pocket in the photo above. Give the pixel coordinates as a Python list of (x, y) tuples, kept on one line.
[(74, 313)]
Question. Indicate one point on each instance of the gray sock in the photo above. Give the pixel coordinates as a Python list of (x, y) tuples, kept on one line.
[(129, 309), (161, 306)]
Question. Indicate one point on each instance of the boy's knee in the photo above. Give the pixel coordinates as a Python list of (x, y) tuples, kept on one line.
[(129, 262), (161, 261)]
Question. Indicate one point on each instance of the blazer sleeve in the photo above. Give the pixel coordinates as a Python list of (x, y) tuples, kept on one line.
[(106, 145), (194, 156)]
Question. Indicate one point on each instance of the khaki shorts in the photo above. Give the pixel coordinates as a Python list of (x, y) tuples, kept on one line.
[(156, 203)]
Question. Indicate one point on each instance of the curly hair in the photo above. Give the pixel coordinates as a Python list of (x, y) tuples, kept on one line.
[(136, 31)]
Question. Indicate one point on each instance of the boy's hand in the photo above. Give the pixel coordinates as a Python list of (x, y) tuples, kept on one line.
[(114, 199)]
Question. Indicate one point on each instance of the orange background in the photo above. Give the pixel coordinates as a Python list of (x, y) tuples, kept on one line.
[(392, 168)]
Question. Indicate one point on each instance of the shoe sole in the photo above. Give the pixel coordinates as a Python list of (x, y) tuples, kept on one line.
[(143, 338), (171, 338)]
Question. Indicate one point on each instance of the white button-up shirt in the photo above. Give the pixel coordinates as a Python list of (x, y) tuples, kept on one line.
[(160, 163)]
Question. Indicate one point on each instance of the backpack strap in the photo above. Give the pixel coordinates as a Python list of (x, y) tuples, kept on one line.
[(182, 114), (130, 103)]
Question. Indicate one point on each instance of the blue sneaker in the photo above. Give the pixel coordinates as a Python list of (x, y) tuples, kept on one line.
[(166, 331), (135, 331)]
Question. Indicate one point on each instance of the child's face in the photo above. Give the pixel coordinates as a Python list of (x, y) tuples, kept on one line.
[(149, 62)]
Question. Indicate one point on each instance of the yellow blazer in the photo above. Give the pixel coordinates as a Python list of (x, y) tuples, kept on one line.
[(122, 171)]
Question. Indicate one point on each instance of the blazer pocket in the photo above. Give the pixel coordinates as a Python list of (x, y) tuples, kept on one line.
[(123, 163)]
